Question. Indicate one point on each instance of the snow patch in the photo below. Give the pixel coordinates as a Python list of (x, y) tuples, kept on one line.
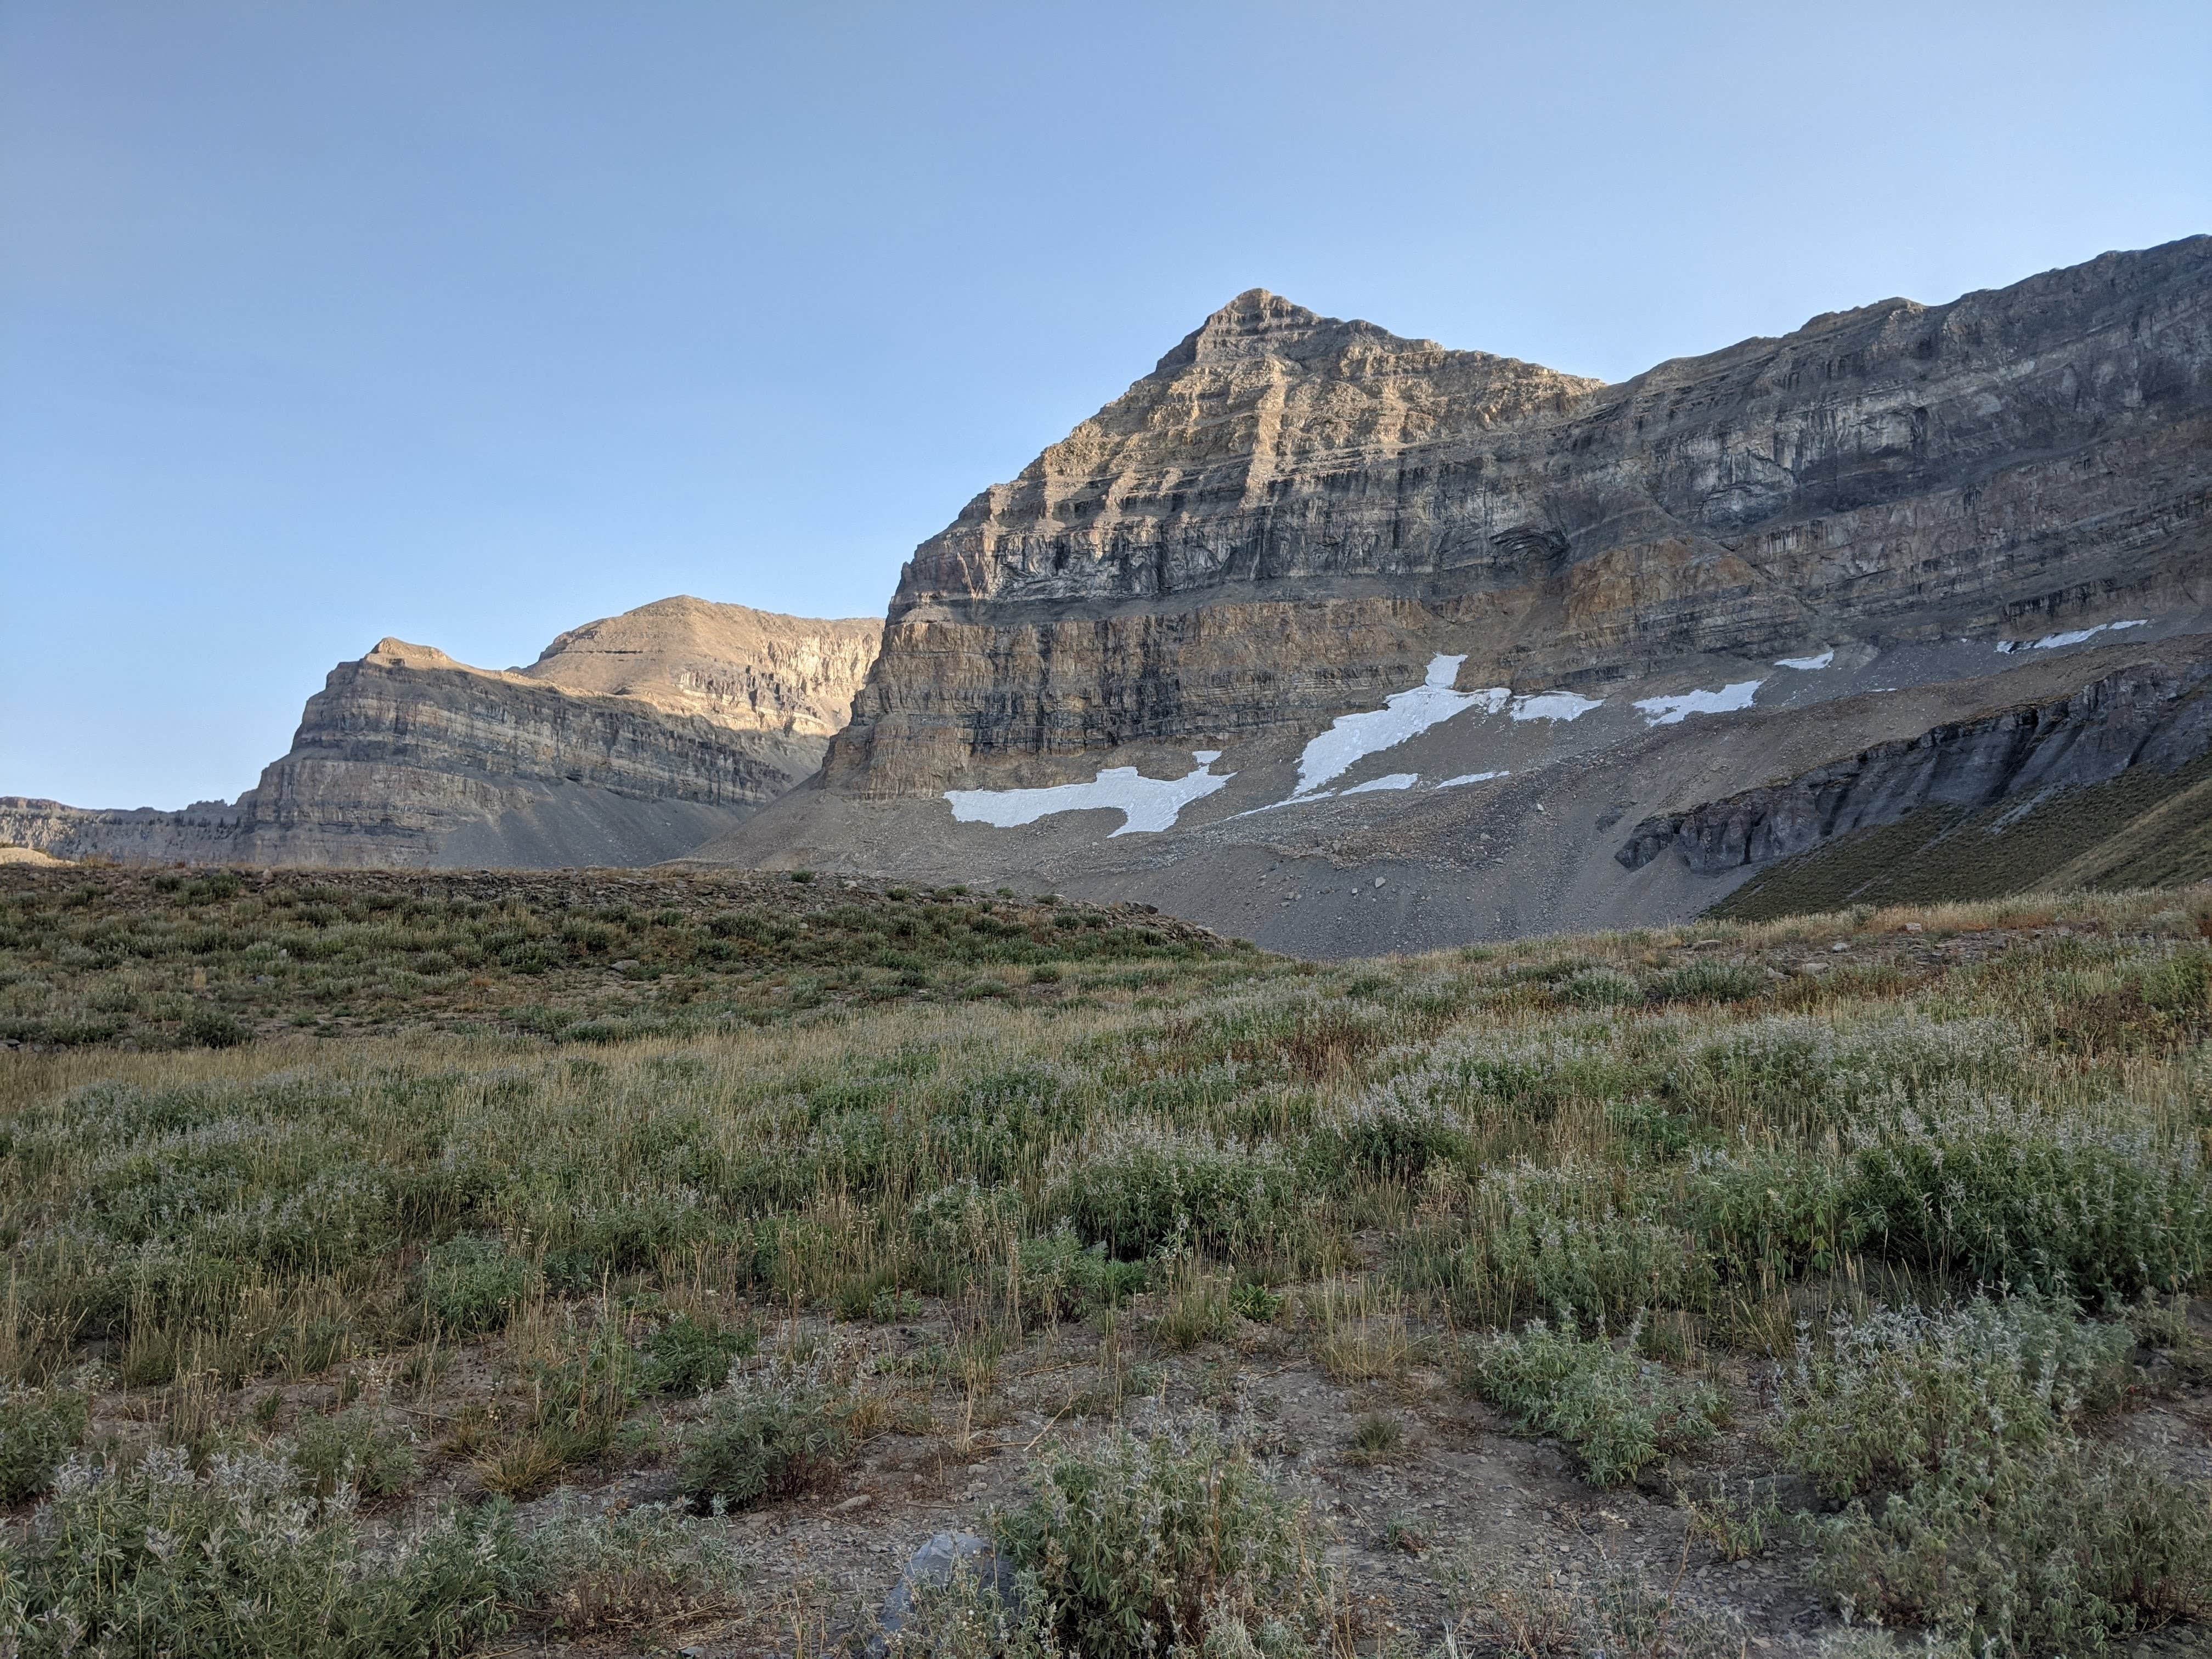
[(1808, 665), (2071, 636), (1404, 715), (1147, 804), (1553, 706), (1395, 780), (1672, 711), (1472, 777)]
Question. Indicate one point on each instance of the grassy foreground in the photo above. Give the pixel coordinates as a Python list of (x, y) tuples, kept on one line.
[(421, 1264)]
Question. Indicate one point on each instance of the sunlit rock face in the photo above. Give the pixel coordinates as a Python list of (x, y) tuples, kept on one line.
[(1291, 515)]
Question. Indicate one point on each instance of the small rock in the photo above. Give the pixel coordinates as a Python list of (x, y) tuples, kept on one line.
[(1379, 880), (1914, 927), (932, 1566), (625, 965)]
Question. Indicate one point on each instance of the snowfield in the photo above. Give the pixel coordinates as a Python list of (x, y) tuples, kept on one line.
[(2072, 636), (1147, 804), (1672, 711), (1404, 715)]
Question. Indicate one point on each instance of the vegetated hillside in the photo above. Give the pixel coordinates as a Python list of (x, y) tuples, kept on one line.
[(2144, 828), (213, 958), (1661, 1293)]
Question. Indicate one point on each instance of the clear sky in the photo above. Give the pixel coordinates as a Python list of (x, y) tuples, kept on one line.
[(469, 322)]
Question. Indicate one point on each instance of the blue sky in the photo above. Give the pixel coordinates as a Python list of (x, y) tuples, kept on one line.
[(471, 322)]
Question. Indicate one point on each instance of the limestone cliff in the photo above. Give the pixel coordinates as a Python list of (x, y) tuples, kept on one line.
[(630, 740), (1290, 514)]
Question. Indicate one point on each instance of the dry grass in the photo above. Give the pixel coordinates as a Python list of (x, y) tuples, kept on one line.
[(1709, 1136)]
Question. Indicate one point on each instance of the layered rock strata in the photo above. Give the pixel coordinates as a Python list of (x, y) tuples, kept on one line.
[(1292, 513), (630, 740), (2149, 714), (745, 670)]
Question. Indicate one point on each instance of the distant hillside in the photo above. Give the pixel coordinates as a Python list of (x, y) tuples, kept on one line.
[(630, 740)]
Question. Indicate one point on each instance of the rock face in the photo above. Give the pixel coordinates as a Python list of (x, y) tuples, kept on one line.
[(629, 741), (748, 671), (2150, 714), (1290, 514), (1458, 623)]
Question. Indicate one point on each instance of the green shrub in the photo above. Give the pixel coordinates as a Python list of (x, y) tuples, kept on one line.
[(38, 1427), (1060, 1278), (148, 1559), (1252, 1300), (1393, 1133), (685, 1356), (622, 1570), (1576, 1236), (1140, 1547), (354, 1449), (1902, 1394), (1619, 1413), (1818, 1071), (471, 1283), (210, 1028), (1144, 1189), (1708, 981), (1599, 988), (1991, 1519), (1771, 1213), (956, 1228), (2050, 1553), (2008, 1194), (770, 1435)]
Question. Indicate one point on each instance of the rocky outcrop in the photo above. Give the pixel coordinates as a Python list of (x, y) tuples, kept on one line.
[(750, 670), (2149, 714), (630, 740), (204, 832), (1291, 515)]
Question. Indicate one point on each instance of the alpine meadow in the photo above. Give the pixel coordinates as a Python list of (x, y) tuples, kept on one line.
[(463, 1263)]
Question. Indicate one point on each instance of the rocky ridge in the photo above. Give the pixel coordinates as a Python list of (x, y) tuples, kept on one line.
[(1290, 514), (1536, 610), (630, 740), (2147, 714)]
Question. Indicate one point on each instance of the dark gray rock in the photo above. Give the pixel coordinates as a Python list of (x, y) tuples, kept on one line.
[(2152, 715)]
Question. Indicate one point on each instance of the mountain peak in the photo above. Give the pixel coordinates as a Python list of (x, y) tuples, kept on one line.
[(1256, 323)]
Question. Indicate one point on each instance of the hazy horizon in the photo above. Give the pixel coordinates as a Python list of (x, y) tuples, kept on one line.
[(467, 323)]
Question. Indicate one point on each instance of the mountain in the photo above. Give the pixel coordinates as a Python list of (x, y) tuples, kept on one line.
[(630, 740), (1467, 625)]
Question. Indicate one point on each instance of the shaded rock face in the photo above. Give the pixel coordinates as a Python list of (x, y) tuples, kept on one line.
[(2149, 713), (206, 831), (630, 740), (1291, 515)]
